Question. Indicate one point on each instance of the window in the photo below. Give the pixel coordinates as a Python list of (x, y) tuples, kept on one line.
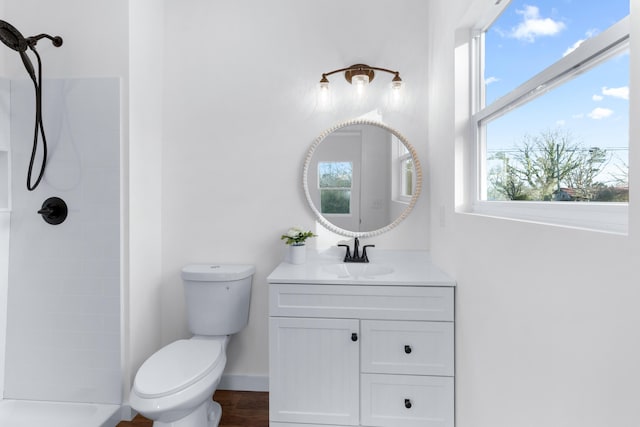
[(404, 171), (550, 111), (334, 182), (406, 165)]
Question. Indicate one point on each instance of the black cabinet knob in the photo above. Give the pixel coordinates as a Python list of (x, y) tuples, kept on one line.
[(354, 337), (407, 349), (407, 403)]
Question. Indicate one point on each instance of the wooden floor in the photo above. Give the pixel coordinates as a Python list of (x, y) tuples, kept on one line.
[(239, 409)]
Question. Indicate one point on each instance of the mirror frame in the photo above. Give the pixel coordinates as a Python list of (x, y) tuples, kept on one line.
[(362, 234)]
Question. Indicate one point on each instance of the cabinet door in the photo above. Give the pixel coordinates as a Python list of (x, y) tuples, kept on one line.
[(314, 370)]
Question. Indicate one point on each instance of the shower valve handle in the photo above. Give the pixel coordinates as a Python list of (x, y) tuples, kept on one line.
[(54, 210), (46, 211)]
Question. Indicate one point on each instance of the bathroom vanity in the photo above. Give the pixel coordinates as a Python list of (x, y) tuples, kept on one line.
[(361, 344)]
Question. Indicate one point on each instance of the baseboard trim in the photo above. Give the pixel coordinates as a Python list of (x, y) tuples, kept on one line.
[(126, 413), (244, 382)]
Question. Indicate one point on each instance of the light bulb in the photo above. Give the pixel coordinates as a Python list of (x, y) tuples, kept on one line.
[(360, 81), (395, 97), (324, 95)]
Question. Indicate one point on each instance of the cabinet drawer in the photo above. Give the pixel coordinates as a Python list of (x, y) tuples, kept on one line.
[(397, 347), (407, 401), (361, 302)]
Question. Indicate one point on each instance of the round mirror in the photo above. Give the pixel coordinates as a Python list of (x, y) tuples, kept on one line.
[(361, 178)]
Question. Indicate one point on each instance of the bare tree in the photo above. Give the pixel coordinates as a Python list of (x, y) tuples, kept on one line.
[(545, 161), (505, 181), (544, 164), (583, 178)]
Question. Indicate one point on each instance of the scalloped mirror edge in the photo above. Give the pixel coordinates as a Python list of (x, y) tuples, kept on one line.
[(362, 234)]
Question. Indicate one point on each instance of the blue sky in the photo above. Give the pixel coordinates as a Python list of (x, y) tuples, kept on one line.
[(531, 35)]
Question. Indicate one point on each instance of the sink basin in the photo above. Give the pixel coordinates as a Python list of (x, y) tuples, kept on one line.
[(358, 270)]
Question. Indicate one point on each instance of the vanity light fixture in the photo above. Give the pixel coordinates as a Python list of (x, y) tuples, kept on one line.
[(360, 75)]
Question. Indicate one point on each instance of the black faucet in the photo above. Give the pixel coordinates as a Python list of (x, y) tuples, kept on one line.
[(356, 257)]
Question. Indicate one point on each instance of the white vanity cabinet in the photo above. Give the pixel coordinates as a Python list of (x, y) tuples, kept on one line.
[(359, 354)]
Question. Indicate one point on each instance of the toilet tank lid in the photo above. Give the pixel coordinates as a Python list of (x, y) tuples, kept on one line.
[(217, 272)]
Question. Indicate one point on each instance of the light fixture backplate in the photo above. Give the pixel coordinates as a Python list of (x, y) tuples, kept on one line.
[(359, 69)]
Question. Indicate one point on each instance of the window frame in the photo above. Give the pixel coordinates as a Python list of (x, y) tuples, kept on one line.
[(403, 160), (609, 217), (400, 154), (342, 189)]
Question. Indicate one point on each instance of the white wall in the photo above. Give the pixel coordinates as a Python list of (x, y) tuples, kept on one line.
[(116, 39), (4, 52), (546, 331), (143, 233), (94, 32), (5, 216), (96, 44), (240, 114)]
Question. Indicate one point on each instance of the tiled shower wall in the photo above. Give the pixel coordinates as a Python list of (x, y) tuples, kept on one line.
[(4, 215), (63, 323)]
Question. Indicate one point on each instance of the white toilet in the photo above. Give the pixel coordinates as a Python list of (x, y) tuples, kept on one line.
[(174, 387)]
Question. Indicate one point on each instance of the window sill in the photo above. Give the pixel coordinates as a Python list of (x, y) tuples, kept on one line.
[(602, 217)]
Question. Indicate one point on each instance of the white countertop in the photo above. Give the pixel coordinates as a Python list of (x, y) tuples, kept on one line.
[(387, 267)]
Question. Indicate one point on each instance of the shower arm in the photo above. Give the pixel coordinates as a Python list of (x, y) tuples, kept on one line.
[(33, 40)]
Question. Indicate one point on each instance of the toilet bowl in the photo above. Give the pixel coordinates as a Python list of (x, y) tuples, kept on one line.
[(174, 387)]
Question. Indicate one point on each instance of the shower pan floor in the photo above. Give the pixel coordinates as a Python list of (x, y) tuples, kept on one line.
[(30, 413)]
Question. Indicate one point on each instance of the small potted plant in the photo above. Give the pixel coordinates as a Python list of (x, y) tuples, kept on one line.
[(295, 239)]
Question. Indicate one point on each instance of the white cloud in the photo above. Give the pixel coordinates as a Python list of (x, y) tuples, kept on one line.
[(578, 116), (573, 47), (616, 92), (533, 25), (490, 80), (600, 113), (597, 97), (577, 44), (561, 123)]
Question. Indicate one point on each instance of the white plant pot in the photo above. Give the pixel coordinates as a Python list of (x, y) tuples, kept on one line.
[(297, 254)]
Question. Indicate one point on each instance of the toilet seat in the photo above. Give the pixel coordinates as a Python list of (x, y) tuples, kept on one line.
[(177, 366)]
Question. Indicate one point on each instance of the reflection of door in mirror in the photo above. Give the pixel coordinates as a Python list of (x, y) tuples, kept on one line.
[(351, 179), (375, 191), (335, 173)]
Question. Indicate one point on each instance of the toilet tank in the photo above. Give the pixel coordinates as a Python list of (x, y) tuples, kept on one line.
[(218, 297)]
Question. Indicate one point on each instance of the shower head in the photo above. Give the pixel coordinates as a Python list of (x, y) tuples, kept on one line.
[(11, 37)]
